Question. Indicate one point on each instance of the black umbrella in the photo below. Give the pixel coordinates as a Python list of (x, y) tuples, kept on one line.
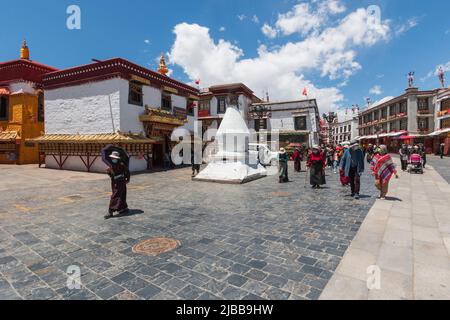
[(109, 149)]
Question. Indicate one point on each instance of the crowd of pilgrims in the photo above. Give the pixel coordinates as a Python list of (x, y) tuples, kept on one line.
[(346, 160)]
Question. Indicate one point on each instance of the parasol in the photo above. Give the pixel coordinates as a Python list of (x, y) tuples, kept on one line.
[(106, 152)]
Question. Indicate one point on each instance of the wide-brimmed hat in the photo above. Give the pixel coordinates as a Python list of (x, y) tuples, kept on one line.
[(115, 155), (282, 150), (316, 147), (353, 143)]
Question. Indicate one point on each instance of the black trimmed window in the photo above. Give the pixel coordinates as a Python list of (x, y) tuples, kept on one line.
[(40, 110), (300, 123), (135, 96), (422, 123), (422, 104), (4, 106), (166, 101), (221, 104)]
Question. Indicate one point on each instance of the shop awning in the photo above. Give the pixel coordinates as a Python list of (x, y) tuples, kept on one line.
[(92, 138), (8, 136), (439, 132), (4, 91)]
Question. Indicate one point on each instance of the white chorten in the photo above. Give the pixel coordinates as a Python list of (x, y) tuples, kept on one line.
[(231, 164)]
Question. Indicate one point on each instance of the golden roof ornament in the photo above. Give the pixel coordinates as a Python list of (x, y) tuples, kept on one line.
[(24, 51), (162, 65)]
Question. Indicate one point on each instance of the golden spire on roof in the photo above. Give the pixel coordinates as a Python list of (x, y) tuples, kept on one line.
[(162, 65), (24, 51)]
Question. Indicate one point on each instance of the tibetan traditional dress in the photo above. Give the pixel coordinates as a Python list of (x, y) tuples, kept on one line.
[(120, 176), (317, 163)]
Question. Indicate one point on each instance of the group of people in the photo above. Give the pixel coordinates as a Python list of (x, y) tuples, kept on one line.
[(408, 151), (348, 159)]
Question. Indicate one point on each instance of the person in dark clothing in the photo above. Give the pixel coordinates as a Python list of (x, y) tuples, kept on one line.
[(441, 150), (404, 156), (297, 157), (353, 165), (283, 159), (120, 176), (423, 153), (195, 161), (316, 164)]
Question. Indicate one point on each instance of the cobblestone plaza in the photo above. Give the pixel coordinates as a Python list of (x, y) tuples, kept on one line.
[(259, 240)]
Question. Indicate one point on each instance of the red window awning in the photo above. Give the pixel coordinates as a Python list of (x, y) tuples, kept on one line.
[(4, 91)]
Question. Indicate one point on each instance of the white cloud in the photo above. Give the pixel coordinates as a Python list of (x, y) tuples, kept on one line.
[(255, 19), (241, 17), (435, 72), (376, 90), (411, 23), (330, 53), (268, 31), (147, 41), (222, 29), (307, 17)]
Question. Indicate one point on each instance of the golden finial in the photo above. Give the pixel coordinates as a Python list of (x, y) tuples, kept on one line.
[(162, 65), (24, 51)]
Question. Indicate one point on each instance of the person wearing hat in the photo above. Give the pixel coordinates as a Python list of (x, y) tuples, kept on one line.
[(353, 165), (316, 164), (283, 159), (120, 176), (404, 156), (383, 168)]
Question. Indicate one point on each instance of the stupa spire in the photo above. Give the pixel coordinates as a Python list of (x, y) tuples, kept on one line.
[(24, 51), (162, 65)]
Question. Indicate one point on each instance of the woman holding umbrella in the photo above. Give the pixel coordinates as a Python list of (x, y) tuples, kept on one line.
[(120, 176)]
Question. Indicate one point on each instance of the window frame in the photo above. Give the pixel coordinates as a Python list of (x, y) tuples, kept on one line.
[(166, 97), (296, 123), (139, 93), (219, 109), (6, 106)]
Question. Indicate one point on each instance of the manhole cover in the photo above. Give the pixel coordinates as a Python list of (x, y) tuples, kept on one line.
[(280, 194), (156, 246), (312, 235)]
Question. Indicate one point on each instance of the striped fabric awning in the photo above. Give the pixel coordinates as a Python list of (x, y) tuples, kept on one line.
[(8, 136), (92, 138), (4, 91)]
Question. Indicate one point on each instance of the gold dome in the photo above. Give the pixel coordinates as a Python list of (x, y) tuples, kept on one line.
[(24, 51), (162, 65)]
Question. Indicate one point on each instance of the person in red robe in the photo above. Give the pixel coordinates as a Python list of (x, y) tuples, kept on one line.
[(316, 164), (297, 157)]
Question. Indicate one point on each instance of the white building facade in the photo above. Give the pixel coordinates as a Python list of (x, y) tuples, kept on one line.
[(117, 96)]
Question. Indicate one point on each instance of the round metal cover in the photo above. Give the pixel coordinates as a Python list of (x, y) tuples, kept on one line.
[(156, 246)]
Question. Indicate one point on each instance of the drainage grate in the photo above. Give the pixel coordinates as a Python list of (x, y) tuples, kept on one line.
[(156, 246)]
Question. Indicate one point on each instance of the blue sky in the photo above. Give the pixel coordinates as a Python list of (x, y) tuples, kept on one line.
[(413, 35)]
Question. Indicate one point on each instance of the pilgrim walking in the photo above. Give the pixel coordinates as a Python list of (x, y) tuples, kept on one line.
[(353, 165), (316, 164), (404, 156), (120, 176), (283, 159), (297, 156), (383, 168)]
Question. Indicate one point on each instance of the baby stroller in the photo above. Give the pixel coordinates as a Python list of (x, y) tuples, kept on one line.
[(415, 164)]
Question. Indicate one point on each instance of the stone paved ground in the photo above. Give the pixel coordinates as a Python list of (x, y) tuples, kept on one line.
[(442, 166), (407, 237), (259, 240)]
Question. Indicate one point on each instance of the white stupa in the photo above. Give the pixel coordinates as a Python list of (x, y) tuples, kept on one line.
[(231, 164)]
